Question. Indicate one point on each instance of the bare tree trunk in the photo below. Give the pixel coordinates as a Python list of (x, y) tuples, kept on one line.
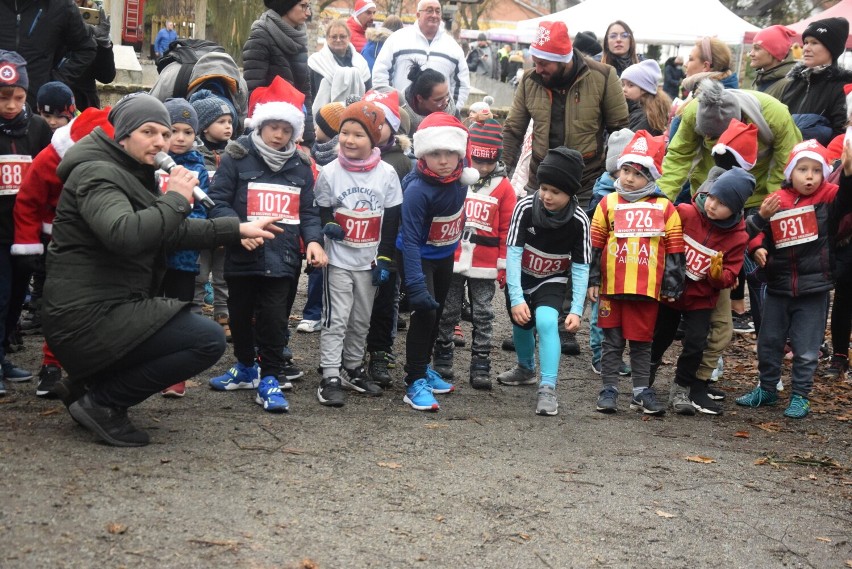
[(201, 19)]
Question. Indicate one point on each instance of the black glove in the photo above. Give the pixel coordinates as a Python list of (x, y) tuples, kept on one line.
[(333, 231), (420, 299), (382, 271), (28, 264)]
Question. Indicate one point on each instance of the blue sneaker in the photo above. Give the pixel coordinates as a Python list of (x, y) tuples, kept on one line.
[(437, 383), (758, 397), (238, 377), (208, 293), (269, 395), (419, 396), (799, 407)]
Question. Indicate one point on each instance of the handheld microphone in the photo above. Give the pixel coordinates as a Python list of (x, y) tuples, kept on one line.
[(165, 162)]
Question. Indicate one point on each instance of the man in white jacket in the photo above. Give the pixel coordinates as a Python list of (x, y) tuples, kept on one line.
[(427, 43)]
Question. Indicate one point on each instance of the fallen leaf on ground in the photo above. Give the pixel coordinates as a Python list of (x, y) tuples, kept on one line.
[(392, 465), (435, 426), (769, 427), (823, 539), (439, 519), (849, 562), (524, 536), (663, 514), (116, 528), (165, 460), (191, 383), (700, 459), (53, 411), (742, 434)]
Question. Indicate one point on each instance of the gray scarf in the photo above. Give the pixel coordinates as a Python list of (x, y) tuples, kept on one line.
[(291, 40), (552, 219), (275, 159), (635, 195)]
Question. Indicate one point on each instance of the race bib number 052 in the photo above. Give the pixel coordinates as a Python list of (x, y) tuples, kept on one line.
[(639, 220), (794, 226), (12, 170), (445, 230), (273, 200), (698, 258), (362, 227)]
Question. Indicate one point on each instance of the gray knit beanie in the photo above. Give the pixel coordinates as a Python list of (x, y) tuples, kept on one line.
[(181, 111), (210, 107), (134, 110), (716, 108), (617, 142)]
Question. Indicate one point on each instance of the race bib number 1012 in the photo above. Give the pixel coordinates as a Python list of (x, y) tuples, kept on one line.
[(273, 200)]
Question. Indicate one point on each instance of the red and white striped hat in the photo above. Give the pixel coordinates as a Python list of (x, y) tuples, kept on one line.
[(552, 42)]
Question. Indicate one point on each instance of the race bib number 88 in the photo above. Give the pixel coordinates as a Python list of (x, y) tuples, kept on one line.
[(794, 227), (639, 220), (273, 200), (12, 170)]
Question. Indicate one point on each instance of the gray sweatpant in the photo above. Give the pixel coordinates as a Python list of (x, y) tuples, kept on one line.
[(613, 350), (347, 304), (481, 296)]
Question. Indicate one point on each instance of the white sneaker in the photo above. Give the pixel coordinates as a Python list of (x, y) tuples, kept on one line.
[(309, 326)]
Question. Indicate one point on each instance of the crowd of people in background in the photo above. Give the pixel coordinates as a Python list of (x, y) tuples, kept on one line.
[(648, 198)]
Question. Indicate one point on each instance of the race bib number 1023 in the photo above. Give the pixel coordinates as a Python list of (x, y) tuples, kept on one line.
[(273, 200), (12, 170)]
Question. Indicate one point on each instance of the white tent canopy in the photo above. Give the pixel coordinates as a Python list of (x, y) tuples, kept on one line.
[(652, 21)]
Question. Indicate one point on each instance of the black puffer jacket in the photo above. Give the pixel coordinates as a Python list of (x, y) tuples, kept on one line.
[(241, 165), (276, 48), (820, 93), (42, 31)]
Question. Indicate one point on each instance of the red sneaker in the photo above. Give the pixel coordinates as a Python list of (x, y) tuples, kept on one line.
[(176, 390)]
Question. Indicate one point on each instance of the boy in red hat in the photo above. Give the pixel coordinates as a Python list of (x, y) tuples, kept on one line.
[(265, 174), (638, 260), (793, 249)]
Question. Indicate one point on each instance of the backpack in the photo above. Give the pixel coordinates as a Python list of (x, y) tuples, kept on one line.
[(186, 52)]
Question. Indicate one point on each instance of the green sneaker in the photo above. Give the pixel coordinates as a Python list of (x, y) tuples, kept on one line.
[(758, 397), (799, 407)]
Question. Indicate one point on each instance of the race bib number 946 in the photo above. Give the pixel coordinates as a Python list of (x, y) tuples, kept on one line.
[(12, 170), (639, 220), (445, 230), (794, 226), (273, 200), (362, 227)]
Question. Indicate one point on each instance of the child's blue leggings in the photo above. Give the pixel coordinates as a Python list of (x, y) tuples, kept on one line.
[(549, 350)]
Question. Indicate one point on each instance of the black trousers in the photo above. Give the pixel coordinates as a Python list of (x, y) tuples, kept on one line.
[(423, 329), (383, 319), (187, 345), (267, 300), (179, 285), (696, 324)]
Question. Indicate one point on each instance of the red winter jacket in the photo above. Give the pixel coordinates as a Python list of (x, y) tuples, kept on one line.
[(702, 239), (357, 33)]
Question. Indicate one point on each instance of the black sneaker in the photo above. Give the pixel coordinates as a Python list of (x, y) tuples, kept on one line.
[(701, 400), (838, 368), (379, 369), (480, 373), (330, 392), (508, 345), (742, 322), (2, 386), (290, 371), (607, 400), (442, 361), (31, 324), (648, 403), (715, 394), (357, 380), (401, 324), (111, 424), (15, 341), (570, 347), (48, 377)]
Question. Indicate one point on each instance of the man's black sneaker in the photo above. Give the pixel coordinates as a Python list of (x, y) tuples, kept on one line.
[(508, 344), (48, 377), (701, 400), (111, 424), (379, 369), (648, 403), (357, 380), (568, 340), (480, 373), (742, 322), (330, 392), (14, 341)]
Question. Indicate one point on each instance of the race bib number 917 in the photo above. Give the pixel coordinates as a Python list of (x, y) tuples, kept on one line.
[(639, 220), (698, 258), (12, 170), (794, 227), (445, 230), (541, 265), (273, 200), (362, 227)]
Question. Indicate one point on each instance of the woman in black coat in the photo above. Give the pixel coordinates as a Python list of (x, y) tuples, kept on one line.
[(278, 45)]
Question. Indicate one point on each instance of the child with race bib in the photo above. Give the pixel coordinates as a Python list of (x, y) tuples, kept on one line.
[(359, 199), (793, 249), (431, 226), (637, 261), (264, 174), (548, 237)]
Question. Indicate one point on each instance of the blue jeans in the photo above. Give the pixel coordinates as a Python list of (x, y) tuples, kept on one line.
[(596, 334), (802, 320), (313, 306)]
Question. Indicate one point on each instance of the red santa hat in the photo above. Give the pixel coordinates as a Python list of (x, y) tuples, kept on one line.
[(84, 123), (389, 102), (552, 42), (440, 131), (279, 101), (646, 151), (808, 149), (740, 140), (362, 6)]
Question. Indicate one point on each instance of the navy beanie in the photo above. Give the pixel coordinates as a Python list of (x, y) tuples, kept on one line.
[(733, 188), (56, 98), (180, 111), (210, 107), (13, 70)]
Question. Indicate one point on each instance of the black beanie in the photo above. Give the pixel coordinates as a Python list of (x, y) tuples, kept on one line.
[(561, 168), (830, 32), (280, 6), (733, 188), (588, 43)]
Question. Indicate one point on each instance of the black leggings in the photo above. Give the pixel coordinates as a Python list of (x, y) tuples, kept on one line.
[(696, 327), (423, 330)]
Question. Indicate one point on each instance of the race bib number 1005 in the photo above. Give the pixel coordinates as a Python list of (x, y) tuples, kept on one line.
[(273, 200)]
